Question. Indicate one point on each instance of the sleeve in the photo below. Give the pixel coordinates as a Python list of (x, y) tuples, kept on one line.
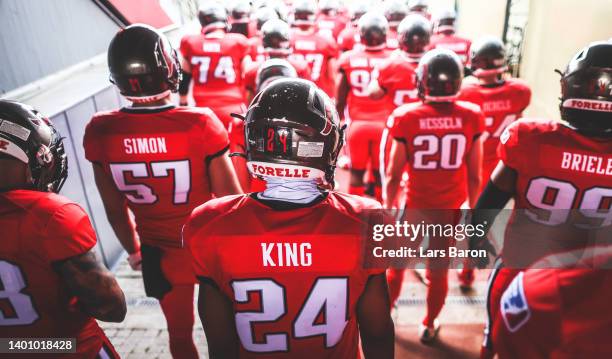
[(479, 125), (383, 75), (528, 322), (396, 126), (90, 145), (509, 149), (332, 49), (185, 48), (215, 135), (526, 97), (343, 63), (201, 247), (70, 233)]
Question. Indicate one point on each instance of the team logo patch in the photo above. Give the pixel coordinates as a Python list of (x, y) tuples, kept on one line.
[(514, 307)]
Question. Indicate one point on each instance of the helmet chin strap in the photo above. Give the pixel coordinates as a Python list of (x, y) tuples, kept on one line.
[(300, 191)]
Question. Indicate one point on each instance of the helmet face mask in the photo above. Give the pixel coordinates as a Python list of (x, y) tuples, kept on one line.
[(586, 91), (292, 131), (31, 138), (147, 72), (439, 76)]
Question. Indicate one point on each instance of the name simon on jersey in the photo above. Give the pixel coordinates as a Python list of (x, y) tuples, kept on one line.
[(144, 145), (441, 123), (286, 254), (586, 163)]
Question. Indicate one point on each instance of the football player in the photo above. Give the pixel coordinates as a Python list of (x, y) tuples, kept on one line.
[(439, 139), (445, 37), (349, 36), (270, 70), (549, 168), (366, 116), (558, 311), (215, 60), (262, 15), (420, 7), (158, 162), (277, 45), (52, 284), (330, 21), (395, 12), (502, 100), (318, 51), (271, 280)]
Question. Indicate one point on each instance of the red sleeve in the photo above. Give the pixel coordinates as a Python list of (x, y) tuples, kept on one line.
[(383, 74), (215, 135), (528, 322), (479, 126), (92, 149), (343, 62), (509, 150), (396, 123), (185, 48), (332, 49), (526, 97), (70, 233), (201, 247)]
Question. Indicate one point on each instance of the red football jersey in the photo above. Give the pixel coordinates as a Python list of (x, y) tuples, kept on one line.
[(331, 25), (256, 50), (548, 313), (293, 294), (397, 76), (348, 38), (158, 159), (38, 229), (317, 50), (501, 106), (557, 169), (438, 139), (216, 65), (250, 75), (457, 44), (358, 66)]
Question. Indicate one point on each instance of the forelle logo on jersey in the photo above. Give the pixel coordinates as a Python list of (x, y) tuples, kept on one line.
[(144, 145), (514, 307)]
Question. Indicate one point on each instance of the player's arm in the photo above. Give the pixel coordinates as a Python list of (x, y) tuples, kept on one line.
[(185, 82), (498, 191), (217, 316), (341, 92), (474, 171), (375, 91), (393, 172), (118, 215), (95, 287), (223, 179), (374, 318)]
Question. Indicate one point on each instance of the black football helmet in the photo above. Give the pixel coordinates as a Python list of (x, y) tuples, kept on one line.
[(304, 13), (419, 6), (395, 12), (586, 91), (275, 37), (329, 7), (143, 64), (414, 33), (488, 58), (445, 22), (240, 11), (273, 69), (292, 130), (439, 76), (30, 137), (262, 15), (212, 16), (373, 28)]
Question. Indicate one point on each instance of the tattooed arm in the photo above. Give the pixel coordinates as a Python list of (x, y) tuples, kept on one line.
[(98, 292)]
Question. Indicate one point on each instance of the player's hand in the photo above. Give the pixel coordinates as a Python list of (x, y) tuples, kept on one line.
[(135, 261), (479, 243)]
